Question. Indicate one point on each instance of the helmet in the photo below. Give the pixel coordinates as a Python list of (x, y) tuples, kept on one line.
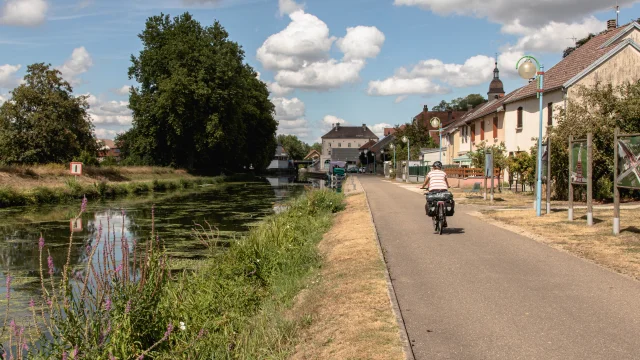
[(437, 164)]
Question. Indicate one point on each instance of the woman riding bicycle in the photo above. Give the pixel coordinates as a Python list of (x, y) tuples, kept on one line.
[(436, 181)]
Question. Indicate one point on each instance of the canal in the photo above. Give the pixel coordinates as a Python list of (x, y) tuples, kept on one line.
[(233, 208)]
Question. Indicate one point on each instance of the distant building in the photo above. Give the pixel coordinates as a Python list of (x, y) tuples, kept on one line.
[(446, 118), (280, 159), (342, 143), (108, 149)]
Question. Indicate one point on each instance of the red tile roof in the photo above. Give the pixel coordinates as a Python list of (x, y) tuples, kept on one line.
[(367, 145), (580, 59)]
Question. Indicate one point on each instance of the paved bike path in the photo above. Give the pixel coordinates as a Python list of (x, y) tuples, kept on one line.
[(481, 292)]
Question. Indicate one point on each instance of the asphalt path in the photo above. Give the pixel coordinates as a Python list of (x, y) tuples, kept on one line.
[(482, 292)]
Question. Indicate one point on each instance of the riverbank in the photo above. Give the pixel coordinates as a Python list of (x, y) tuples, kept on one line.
[(51, 184)]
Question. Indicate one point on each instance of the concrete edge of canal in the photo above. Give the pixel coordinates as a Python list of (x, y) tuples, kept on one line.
[(404, 336)]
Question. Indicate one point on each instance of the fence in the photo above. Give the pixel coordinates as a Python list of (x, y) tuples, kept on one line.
[(468, 172)]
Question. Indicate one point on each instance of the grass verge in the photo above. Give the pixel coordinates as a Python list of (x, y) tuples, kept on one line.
[(597, 243), (348, 315)]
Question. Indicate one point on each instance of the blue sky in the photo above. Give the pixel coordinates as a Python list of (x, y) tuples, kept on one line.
[(349, 61)]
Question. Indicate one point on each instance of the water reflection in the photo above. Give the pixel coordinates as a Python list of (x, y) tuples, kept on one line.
[(232, 208)]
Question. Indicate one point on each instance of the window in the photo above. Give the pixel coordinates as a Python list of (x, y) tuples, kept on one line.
[(349, 145), (473, 133), (329, 152), (550, 114), (329, 144), (481, 123), (519, 126), (339, 144), (495, 127)]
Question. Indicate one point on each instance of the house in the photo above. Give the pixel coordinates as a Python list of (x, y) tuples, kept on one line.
[(280, 159), (612, 57), (313, 155), (446, 118), (108, 149), (342, 143)]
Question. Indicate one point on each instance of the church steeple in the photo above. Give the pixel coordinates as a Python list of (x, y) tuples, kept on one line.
[(496, 89)]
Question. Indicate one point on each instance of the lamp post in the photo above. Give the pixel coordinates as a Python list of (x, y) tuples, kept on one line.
[(529, 70), (406, 141), (366, 157), (392, 146), (436, 123)]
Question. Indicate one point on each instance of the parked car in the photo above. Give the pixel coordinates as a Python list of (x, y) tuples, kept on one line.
[(352, 169), (363, 170)]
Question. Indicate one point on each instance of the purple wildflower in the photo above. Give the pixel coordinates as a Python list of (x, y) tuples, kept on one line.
[(119, 268), (127, 309), (49, 302), (25, 347), (169, 331), (83, 207), (75, 352), (107, 305), (141, 357), (64, 355), (41, 243), (8, 287), (12, 326), (111, 357), (32, 303), (50, 264)]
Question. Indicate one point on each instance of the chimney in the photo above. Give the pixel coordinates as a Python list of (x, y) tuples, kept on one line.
[(364, 127), (337, 126), (611, 24), (449, 115), (425, 108)]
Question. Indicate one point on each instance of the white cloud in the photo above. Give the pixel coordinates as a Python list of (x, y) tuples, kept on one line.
[(434, 77), (306, 39), (277, 89), (299, 128), (123, 90), (331, 119), (378, 129), (361, 42), (79, 63), (8, 79), (529, 13), (109, 112), (23, 12), (325, 75), (400, 99), (552, 37), (300, 56), (288, 6), (403, 86), (288, 109), (507, 62), (102, 133)]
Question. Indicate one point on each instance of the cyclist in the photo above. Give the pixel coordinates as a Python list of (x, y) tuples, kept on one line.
[(435, 181)]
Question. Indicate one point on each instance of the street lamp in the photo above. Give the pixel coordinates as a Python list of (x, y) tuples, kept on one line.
[(436, 123), (529, 70), (393, 147), (366, 156), (405, 140)]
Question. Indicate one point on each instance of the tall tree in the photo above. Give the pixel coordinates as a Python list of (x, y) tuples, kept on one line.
[(317, 147), (43, 122), (461, 103), (198, 105), (418, 136), (296, 149)]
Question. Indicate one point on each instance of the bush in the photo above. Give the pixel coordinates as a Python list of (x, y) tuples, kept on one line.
[(10, 197), (87, 159)]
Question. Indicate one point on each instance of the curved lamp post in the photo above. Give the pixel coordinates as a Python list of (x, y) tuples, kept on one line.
[(436, 123), (406, 141), (528, 70)]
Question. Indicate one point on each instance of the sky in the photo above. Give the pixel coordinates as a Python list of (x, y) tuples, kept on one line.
[(353, 62)]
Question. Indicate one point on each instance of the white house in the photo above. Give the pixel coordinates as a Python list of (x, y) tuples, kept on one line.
[(345, 137)]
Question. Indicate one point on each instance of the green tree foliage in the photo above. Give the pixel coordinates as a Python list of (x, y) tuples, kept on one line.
[(296, 149), (460, 104), (419, 138), (500, 160), (198, 105), (43, 122), (317, 147), (599, 110), (523, 164)]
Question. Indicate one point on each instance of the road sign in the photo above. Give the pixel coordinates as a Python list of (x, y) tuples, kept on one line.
[(76, 168)]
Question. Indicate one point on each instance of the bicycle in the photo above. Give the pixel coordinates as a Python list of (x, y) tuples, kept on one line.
[(440, 214)]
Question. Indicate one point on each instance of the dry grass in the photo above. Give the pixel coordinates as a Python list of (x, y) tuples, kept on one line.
[(598, 244), (506, 198), (53, 175), (349, 312)]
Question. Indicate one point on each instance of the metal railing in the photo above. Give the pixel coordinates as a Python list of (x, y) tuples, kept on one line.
[(468, 172)]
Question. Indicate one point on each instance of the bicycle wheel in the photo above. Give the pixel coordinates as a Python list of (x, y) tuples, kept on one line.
[(441, 218)]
